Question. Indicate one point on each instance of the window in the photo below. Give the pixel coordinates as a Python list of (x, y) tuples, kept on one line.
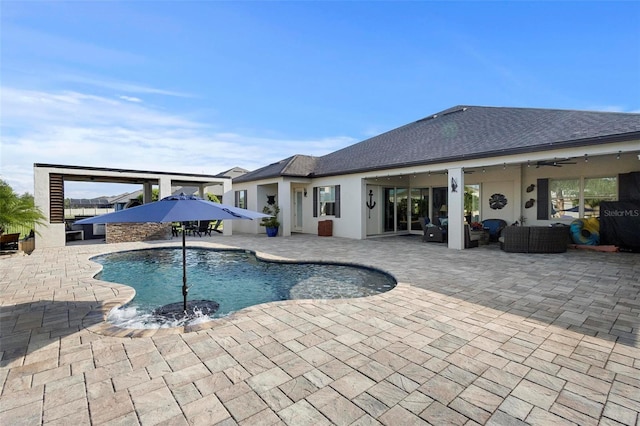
[(597, 190), (472, 203), (241, 199), (576, 198), (565, 198), (327, 198), (326, 201)]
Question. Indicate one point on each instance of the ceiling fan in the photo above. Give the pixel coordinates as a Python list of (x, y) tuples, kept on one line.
[(555, 163)]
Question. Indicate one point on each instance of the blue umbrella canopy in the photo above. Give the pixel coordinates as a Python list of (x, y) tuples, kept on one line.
[(176, 208)]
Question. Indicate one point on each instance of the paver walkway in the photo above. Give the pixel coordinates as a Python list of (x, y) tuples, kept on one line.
[(468, 337)]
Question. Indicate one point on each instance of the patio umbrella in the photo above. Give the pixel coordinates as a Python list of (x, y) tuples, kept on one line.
[(176, 208)]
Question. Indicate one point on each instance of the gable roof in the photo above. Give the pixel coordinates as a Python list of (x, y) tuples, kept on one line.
[(297, 165), (466, 132), (234, 172)]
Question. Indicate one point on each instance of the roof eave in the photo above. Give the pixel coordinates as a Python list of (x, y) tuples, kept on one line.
[(623, 137)]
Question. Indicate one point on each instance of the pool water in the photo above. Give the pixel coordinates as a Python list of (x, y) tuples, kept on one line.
[(234, 279)]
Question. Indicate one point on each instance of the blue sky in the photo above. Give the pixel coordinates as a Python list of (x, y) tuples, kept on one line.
[(202, 87)]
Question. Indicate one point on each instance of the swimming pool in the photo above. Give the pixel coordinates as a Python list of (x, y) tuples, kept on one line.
[(232, 278)]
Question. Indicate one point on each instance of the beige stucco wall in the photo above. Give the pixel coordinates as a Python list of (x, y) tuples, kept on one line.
[(509, 175)]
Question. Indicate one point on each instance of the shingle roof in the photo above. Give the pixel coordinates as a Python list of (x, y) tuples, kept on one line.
[(297, 165), (464, 132)]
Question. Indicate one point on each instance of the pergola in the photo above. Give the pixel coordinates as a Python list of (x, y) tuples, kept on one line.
[(49, 182)]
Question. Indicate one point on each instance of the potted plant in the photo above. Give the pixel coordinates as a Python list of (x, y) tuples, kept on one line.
[(272, 223), (476, 226)]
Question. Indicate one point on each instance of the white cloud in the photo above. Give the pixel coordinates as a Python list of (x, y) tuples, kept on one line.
[(119, 86), (130, 98), (72, 128)]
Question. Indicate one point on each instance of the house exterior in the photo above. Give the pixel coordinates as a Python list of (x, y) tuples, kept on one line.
[(537, 166)]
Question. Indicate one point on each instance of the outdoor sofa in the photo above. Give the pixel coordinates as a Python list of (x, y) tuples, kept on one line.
[(535, 239)]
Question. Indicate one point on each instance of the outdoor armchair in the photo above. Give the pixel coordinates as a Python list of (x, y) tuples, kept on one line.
[(495, 227), (431, 232)]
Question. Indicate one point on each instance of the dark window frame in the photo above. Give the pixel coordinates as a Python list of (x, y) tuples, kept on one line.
[(240, 198), (317, 208)]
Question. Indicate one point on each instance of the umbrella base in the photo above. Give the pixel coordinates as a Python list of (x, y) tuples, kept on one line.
[(195, 308)]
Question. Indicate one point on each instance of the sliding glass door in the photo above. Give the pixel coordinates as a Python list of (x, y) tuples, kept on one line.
[(439, 209), (403, 208), (389, 210), (396, 211), (419, 206)]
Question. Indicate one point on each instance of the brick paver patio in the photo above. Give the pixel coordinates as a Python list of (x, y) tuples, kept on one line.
[(468, 337)]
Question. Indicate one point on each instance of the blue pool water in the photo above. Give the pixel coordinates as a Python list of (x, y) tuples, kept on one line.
[(234, 279)]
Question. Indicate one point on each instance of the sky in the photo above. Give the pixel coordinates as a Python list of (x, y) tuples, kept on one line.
[(205, 86)]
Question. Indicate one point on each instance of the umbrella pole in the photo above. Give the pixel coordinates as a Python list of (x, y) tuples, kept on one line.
[(185, 289)]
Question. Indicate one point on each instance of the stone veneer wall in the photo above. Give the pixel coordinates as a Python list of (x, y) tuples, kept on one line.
[(130, 232)]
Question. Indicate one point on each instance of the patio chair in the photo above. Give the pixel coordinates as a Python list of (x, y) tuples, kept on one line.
[(203, 228), (216, 226), (9, 241), (468, 243)]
